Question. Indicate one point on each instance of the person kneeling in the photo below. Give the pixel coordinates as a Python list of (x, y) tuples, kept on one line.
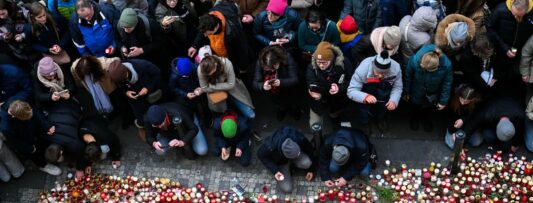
[(231, 132)]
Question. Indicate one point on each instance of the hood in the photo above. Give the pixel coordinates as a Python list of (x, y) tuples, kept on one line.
[(509, 3), (343, 137), (339, 58), (441, 40), (376, 37), (424, 19)]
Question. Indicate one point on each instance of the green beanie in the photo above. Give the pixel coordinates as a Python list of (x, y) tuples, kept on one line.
[(128, 18), (229, 128)]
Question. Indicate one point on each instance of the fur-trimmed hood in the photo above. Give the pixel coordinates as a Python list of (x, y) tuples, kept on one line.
[(441, 40), (339, 58)]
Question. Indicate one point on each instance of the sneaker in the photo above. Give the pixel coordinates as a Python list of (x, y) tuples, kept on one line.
[(51, 169)]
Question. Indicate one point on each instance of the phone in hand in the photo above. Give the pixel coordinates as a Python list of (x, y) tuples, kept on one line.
[(62, 92), (315, 88), (270, 82)]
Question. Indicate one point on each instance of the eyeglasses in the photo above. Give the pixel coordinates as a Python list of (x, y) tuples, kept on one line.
[(169, 1), (323, 62)]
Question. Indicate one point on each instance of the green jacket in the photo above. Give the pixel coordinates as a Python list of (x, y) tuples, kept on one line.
[(308, 40)]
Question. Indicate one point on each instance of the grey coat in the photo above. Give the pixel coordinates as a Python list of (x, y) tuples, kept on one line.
[(366, 13), (234, 86), (526, 62), (416, 31)]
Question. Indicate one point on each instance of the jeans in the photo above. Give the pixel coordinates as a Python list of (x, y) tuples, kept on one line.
[(9, 164), (335, 169), (489, 135), (528, 134), (392, 11), (246, 111), (475, 140), (199, 143), (302, 162)]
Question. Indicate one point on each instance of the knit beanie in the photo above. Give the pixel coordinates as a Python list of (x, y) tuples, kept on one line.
[(229, 128), (382, 62), (323, 51), (128, 18), (156, 115), (290, 149), (277, 7), (458, 32), (340, 155), (348, 25), (184, 66), (47, 66), (117, 72), (392, 36), (505, 130)]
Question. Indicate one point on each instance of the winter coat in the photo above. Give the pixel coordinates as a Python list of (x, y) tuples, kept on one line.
[(458, 111), (441, 38), (287, 75), (365, 71), (490, 113), (251, 7), (48, 37), (179, 85), (526, 61), (140, 6), (95, 38), (14, 25), (97, 127), (43, 94), (21, 136), (177, 29), (416, 31), (506, 32), (241, 139), (173, 110), (477, 10), (285, 27), (149, 76), (62, 8), (270, 153), (438, 8), (151, 41), (367, 16), (472, 66), (227, 82), (308, 40), (107, 85), (419, 83), (14, 85), (358, 145)]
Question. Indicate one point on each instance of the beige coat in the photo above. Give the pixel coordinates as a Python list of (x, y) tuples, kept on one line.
[(107, 85), (234, 86)]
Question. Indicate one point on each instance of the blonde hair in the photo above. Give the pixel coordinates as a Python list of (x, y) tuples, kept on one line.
[(20, 110), (431, 60)]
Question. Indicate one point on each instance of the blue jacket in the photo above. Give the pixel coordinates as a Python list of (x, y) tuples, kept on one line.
[(95, 38), (48, 37), (419, 83), (179, 85), (358, 145), (270, 153), (14, 85), (367, 16), (284, 27)]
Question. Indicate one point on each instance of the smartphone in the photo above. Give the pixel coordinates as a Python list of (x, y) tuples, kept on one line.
[(270, 82), (63, 92), (314, 88)]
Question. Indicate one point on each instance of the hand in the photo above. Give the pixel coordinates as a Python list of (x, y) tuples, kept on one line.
[(181, 143), (492, 82), (191, 95), (329, 183), (334, 89), (525, 78), (167, 20), (55, 96), (309, 176), (111, 50), (340, 182), (247, 19), (19, 37), (274, 43), (282, 41), (511, 54), (458, 123), (157, 146), (8, 36), (224, 155), (135, 51), (191, 52), (276, 83), (88, 170), (115, 164), (57, 49), (370, 99), (124, 51), (65, 95), (238, 152), (143, 92), (267, 86), (51, 131), (173, 143), (279, 176), (198, 91), (315, 95), (440, 107), (79, 175), (390, 105), (131, 94)]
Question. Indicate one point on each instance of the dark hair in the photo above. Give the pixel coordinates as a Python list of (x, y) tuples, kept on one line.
[(36, 9), (469, 7), (93, 152), (207, 22), (467, 92), (83, 4), (272, 55), (211, 68), (89, 65), (10, 7), (52, 153), (481, 43), (314, 15)]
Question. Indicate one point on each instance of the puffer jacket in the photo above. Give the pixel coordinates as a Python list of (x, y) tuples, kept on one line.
[(285, 27), (419, 83), (366, 13), (178, 29), (526, 62), (441, 38), (416, 31)]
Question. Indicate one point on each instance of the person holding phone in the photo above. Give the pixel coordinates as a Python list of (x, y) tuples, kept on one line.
[(178, 19), (53, 86)]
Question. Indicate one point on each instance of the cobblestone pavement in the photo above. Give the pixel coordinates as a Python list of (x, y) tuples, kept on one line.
[(401, 145)]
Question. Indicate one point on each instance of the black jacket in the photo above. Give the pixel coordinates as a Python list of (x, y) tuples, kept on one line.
[(43, 94), (22, 136), (152, 42), (472, 66), (241, 139), (288, 75), (270, 153), (187, 125), (149, 75), (97, 127), (358, 145)]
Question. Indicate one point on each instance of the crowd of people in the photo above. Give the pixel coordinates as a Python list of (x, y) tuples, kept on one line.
[(174, 68)]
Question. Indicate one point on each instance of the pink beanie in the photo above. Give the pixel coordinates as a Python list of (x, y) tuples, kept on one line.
[(277, 6), (47, 66)]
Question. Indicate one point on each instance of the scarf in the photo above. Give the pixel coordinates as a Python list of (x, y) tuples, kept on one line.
[(55, 85), (134, 76), (100, 98)]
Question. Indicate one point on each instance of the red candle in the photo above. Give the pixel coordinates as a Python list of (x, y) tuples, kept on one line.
[(331, 195), (529, 169), (322, 197), (340, 196)]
